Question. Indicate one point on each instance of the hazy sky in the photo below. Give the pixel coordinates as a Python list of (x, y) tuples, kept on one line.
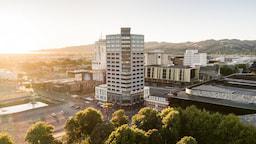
[(39, 24)]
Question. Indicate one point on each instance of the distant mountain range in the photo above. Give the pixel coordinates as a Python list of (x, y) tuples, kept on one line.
[(208, 46)]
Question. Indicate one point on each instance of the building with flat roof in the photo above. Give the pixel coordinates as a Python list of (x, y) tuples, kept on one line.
[(125, 68), (192, 57), (170, 74), (237, 90), (156, 58)]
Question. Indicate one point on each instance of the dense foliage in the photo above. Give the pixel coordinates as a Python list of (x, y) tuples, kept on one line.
[(82, 124), (119, 118), (127, 135), (39, 133), (5, 138), (171, 126)]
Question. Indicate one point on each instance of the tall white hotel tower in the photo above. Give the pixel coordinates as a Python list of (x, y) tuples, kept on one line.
[(125, 68)]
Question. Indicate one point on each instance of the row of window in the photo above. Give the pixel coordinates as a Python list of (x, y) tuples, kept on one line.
[(118, 78)]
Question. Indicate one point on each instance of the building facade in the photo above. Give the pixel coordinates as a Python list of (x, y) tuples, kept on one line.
[(102, 97), (125, 68), (170, 74), (99, 61), (156, 58), (101, 93), (159, 103), (192, 57)]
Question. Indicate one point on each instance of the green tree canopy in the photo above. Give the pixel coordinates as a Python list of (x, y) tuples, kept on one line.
[(82, 124), (171, 126), (154, 137), (5, 138), (109, 105), (187, 140), (39, 133), (147, 119), (119, 118), (73, 130), (101, 132), (127, 135), (226, 70)]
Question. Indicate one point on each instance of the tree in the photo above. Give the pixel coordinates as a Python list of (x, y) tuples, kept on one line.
[(82, 124), (171, 127), (226, 70), (242, 66), (56, 141), (187, 140), (39, 133), (127, 135), (165, 112), (5, 138), (232, 131), (109, 105), (73, 131), (200, 124), (154, 137), (101, 132), (88, 119), (147, 119), (119, 118)]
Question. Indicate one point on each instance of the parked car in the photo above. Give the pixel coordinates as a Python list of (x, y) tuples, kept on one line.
[(54, 114)]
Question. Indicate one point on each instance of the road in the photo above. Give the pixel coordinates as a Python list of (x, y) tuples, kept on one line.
[(17, 124)]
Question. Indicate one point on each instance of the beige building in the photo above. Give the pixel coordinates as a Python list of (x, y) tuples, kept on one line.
[(156, 58), (170, 74)]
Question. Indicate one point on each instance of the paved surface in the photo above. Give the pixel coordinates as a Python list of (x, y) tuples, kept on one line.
[(17, 124)]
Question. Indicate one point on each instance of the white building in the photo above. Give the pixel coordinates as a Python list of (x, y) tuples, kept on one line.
[(102, 97), (192, 57), (99, 61), (101, 93), (159, 103), (125, 68)]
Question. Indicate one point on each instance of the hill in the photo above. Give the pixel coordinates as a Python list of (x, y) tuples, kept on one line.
[(72, 49), (209, 46)]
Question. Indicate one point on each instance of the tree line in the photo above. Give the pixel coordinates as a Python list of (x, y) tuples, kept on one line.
[(171, 126)]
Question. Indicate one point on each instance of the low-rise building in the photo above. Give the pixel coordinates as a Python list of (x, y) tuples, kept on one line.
[(170, 74), (96, 75), (192, 57), (159, 103), (102, 97), (157, 98)]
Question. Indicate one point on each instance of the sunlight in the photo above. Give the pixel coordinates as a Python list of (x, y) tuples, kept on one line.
[(18, 35)]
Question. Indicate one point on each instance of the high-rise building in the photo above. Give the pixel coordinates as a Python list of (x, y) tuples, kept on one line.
[(99, 61), (192, 57), (125, 68)]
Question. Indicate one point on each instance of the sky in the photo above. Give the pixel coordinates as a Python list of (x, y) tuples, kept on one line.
[(43, 24)]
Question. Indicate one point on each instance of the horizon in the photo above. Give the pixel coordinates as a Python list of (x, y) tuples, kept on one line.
[(34, 25)]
